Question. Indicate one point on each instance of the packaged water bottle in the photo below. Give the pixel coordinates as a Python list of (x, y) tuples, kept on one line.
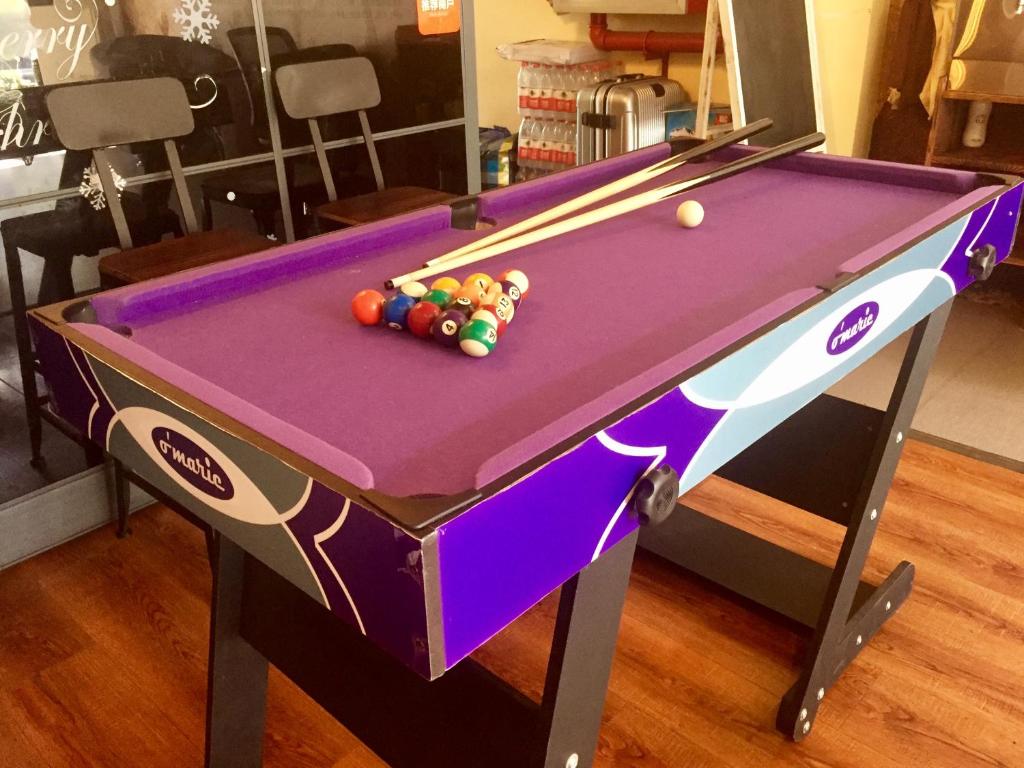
[(547, 92), (533, 88), (572, 135), (523, 84), (525, 155)]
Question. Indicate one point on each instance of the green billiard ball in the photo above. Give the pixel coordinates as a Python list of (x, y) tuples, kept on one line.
[(439, 297), (477, 338)]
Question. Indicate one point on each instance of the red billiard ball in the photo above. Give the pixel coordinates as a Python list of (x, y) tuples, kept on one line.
[(368, 307), (447, 326), (421, 318)]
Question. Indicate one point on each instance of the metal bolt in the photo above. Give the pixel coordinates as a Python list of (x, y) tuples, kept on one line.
[(888, 605), (821, 694), (803, 715), (573, 761), (807, 727), (899, 437), (231, 196), (860, 639), (874, 514)]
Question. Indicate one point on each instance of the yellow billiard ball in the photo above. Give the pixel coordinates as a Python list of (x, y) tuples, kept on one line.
[(690, 214)]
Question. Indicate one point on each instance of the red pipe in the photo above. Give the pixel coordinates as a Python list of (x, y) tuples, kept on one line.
[(651, 43)]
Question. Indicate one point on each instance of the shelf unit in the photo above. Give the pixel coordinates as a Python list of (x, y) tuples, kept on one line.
[(1003, 151)]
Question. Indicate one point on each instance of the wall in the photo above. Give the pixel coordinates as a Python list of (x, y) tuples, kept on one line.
[(850, 33)]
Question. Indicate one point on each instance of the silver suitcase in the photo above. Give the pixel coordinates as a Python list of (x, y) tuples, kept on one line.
[(620, 115)]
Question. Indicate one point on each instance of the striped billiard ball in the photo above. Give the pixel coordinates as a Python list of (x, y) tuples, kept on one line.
[(504, 302), (511, 290), (477, 338), (396, 311), (489, 314), (446, 327), (516, 276)]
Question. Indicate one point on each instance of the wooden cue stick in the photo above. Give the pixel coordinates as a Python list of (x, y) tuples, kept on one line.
[(612, 210), (608, 190)]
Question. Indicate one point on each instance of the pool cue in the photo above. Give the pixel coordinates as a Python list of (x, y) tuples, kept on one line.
[(608, 190), (612, 210)]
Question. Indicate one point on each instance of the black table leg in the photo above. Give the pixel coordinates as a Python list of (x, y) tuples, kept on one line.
[(581, 659), (237, 677), (834, 459), (840, 636), (467, 718)]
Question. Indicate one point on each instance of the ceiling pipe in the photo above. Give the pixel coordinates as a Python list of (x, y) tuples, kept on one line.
[(653, 44)]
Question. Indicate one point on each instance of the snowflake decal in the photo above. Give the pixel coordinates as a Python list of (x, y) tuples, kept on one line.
[(197, 20), (92, 189)]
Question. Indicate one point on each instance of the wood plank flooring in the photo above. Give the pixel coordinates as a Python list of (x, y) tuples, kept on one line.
[(103, 648)]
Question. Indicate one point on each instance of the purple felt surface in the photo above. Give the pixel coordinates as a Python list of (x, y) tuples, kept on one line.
[(613, 311)]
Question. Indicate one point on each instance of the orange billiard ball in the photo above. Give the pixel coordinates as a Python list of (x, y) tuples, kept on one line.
[(368, 307)]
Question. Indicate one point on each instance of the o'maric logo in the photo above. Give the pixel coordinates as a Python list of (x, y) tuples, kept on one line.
[(192, 463), (853, 328)]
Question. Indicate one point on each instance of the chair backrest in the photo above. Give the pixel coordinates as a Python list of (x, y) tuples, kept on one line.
[(246, 49), (310, 90), (95, 116)]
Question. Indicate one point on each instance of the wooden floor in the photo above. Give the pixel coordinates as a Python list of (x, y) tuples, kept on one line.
[(103, 648)]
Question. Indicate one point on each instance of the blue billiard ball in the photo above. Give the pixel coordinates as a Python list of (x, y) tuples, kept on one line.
[(396, 311)]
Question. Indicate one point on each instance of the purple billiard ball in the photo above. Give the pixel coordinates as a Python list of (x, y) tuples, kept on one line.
[(396, 311), (511, 290), (447, 326)]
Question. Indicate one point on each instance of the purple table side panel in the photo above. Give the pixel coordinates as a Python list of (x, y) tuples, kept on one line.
[(367, 572), (994, 223), (515, 547), (371, 572), (216, 282)]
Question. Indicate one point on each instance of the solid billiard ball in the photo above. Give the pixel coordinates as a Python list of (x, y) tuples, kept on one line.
[(477, 338), (511, 290), (438, 296), (491, 314), (690, 214), (505, 304), (516, 276), (368, 307), (471, 292), (447, 284), (463, 304), (447, 326), (421, 318), (414, 289), (396, 311), (480, 280)]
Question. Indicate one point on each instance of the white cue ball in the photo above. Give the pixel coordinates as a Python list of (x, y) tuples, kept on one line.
[(690, 214), (414, 289)]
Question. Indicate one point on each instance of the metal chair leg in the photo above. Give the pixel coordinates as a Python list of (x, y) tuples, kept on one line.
[(26, 357)]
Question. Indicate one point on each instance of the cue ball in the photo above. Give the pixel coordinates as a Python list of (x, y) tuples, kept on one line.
[(690, 214), (414, 289)]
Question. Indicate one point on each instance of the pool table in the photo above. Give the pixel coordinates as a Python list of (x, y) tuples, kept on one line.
[(385, 505)]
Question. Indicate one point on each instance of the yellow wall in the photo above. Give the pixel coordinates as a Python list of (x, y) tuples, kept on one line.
[(850, 33)]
